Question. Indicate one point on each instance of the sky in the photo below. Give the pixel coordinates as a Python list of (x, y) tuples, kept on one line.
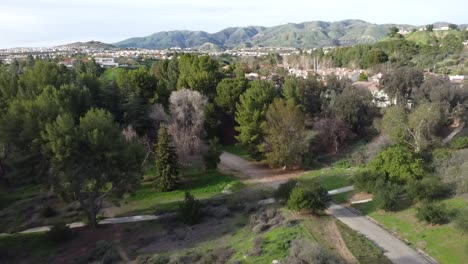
[(38, 23)]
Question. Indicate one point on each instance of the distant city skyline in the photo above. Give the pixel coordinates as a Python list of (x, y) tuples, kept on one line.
[(32, 23)]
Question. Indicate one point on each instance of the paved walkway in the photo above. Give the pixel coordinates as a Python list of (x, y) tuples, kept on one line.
[(107, 221), (395, 250)]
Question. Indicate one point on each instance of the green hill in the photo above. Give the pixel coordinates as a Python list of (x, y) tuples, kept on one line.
[(302, 35), (430, 37)]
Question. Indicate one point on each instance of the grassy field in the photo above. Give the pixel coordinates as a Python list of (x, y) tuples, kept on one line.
[(146, 200), (330, 178), (443, 242)]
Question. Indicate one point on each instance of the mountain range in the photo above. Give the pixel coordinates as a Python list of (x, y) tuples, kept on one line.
[(301, 35)]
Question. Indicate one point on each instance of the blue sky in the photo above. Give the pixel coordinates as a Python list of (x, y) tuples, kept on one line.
[(52, 22)]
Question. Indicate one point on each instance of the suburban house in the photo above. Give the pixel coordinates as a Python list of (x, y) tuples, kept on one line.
[(381, 99), (106, 62)]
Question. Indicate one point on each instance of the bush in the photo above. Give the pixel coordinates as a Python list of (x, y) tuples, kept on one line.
[(60, 232), (284, 190), (434, 213), (190, 210), (315, 199), (459, 143), (461, 220), (429, 188), (212, 157), (306, 251), (47, 211), (343, 164), (387, 195), (365, 181)]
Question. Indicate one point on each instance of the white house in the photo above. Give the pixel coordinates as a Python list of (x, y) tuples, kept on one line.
[(106, 62), (381, 99)]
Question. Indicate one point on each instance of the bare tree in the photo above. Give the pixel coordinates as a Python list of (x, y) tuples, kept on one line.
[(187, 110)]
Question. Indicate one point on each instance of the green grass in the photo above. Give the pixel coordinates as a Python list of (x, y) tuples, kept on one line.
[(201, 184), (343, 197), (238, 151), (443, 242), (363, 249), (329, 178), (276, 243)]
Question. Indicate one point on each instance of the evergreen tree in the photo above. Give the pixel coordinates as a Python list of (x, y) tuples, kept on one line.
[(166, 162), (250, 115)]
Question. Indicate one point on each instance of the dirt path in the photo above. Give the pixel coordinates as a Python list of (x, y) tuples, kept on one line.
[(254, 172), (397, 251), (335, 237)]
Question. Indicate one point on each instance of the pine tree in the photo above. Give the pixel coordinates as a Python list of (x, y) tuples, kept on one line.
[(166, 162)]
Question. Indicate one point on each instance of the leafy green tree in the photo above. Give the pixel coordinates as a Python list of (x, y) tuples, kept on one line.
[(198, 73), (387, 195), (429, 27), (286, 138), (92, 160), (135, 113), (34, 79), (416, 129), (24, 121), (304, 93), (450, 44), (315, 198), (453, 26), (374, 57), (167, 169), (228, 92), (355, 108), (167, 74), (398, 164), (251, 113), (400, 83), (393, 31)]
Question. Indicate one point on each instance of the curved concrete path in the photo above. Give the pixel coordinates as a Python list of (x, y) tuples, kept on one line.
[(397, 251)]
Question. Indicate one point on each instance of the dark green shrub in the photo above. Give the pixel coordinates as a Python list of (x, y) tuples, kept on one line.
[(459, 143), (429, 188), (60, 232), (342, 164), (190, 210), (387, 195), (212, 157), (47, 211), (461, 219), (434, 213), (284, 190), (314, 199), (365, 181)]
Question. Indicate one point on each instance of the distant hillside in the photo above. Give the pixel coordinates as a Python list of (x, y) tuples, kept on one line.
[(425, 37), (303, 35), (91, 45)]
